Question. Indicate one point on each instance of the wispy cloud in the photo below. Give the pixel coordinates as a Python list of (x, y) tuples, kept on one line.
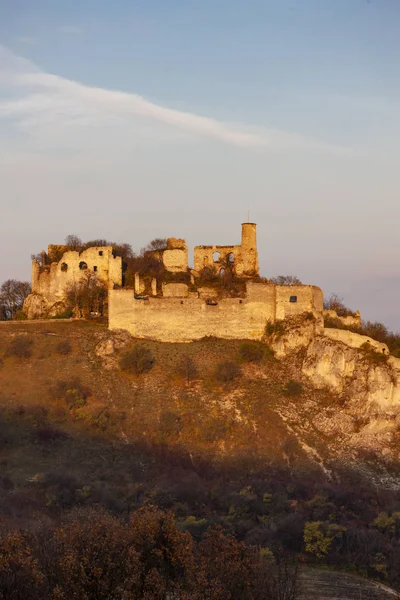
[(42, 99)]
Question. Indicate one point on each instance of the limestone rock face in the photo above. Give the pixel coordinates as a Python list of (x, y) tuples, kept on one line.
[(35, 306), (352, 373), (109, 347), (298, 333)]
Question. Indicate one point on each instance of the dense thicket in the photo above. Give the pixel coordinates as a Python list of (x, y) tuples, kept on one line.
[(93, 555)]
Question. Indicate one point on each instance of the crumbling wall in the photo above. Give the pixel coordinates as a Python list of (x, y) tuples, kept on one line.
[(292, 300), (208, 256), (52, 280), (185, 320), (175, 290), (175, 257), (243, 257), (180, 319)]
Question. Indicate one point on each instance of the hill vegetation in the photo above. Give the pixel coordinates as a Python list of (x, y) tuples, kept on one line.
[(217, 433)]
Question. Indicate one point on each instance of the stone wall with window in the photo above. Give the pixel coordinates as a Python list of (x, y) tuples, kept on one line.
[(185, 319), (52, 280)]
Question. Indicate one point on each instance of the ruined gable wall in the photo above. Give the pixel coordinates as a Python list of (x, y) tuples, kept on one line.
[(175, 257), (52, 281), (203, 256)]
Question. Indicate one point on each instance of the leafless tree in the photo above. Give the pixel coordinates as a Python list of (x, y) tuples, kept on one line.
[(286, 280), (74, 242), (13, 294), (87, 296)]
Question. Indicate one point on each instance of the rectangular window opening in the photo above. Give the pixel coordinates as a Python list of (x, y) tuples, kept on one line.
[(293, 299), (100, 252), (94, 268)]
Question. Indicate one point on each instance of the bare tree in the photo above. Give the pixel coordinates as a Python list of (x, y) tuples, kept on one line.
[(156, 244), (74, 242), (13, 294), (335, 302), (286, 280), (87, 296)]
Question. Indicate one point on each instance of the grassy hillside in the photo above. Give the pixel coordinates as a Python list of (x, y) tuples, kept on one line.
[(250, 454)]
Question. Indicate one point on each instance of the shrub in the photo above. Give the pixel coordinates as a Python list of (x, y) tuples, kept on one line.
[(72, 391), (187, 369), (251, 351), (63, 348), (278, 328), (373, 355), (20, 316), (67, 314), (286, 280), (137, 360), (293, 388), (334, 302), (50, 434), (20, 347), (227, 371)]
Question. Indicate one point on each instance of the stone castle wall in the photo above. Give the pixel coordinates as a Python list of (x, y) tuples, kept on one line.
[(52, 280), (243, 257), (186, 319)]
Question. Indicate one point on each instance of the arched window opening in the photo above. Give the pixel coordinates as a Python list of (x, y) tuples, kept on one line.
[(222, 273), (231, 257), (82, 266), (216, 256), (64, 267)]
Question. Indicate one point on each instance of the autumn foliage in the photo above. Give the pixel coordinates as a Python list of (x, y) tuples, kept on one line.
[(92, 555)]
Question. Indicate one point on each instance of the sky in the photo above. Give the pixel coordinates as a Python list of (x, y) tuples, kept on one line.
[(135, 119)]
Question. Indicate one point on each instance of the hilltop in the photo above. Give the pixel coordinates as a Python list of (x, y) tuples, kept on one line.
[(262, 452)]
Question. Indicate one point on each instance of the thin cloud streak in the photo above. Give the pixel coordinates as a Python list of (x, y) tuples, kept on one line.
[(52, 98)]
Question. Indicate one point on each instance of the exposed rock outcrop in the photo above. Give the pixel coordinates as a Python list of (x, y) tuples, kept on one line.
[(109, 347), (37, 307)]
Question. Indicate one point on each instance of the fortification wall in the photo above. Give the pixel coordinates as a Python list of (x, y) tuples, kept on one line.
[(187, 319), (52, 281), (204, 256)]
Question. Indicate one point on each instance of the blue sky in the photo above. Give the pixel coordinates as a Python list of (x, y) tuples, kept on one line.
[(135, 119)]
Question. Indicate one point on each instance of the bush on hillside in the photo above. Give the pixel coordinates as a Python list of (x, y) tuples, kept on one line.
[(20, 316), (379, 358), (293, 388), (21, 347), (73, 391), (334, 302), (64, 348), (227, 372), (137, 360), (251, 352), (187, 369)]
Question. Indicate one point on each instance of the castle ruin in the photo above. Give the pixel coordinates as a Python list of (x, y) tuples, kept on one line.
[(222, 296)]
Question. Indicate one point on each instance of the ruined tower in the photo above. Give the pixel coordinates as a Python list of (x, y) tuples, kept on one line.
[(249, 249)]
